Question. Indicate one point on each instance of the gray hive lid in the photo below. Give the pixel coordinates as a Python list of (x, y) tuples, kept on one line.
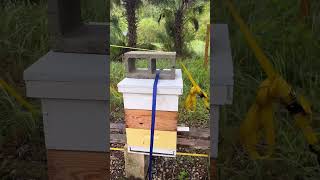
[(69, 76), (69, 67)]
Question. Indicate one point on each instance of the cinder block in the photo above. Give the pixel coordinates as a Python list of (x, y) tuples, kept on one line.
[(130, 59), (68, 33)]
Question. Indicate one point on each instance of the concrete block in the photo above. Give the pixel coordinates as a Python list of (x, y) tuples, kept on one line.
[(68, 33), (131, 57)]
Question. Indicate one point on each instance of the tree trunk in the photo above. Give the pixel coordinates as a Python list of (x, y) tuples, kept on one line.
[(131, 6), (178, 32)]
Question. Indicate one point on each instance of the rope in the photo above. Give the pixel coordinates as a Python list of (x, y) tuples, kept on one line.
[(178, 153)]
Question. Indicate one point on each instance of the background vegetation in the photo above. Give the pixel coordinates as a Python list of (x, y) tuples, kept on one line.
[(291, 41), (293, 47)]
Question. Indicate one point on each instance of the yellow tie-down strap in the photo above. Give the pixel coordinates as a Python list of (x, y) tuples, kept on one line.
[(141, 138)]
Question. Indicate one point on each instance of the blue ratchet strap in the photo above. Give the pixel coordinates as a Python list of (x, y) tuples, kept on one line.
[(153, 122)]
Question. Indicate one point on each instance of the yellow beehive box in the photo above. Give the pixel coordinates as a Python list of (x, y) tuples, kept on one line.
[(165, 142)]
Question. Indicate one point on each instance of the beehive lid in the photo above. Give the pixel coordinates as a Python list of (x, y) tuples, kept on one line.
[(69, 76), (145, 86), (68, 67)]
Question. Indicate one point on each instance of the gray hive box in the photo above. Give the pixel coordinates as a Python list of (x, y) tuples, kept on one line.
[(68, 33), (221, 79), (221, 68), (74, 92)]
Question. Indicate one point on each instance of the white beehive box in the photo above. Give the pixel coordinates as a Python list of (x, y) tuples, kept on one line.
[(74, 93), (137, 93)]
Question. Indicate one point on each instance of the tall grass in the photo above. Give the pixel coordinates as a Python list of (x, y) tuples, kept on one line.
[(23, 39), (293, 48)]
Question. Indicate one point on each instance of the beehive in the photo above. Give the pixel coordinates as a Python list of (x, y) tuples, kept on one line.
[(137, 96)]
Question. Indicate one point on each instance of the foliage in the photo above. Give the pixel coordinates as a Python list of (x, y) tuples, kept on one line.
[(183, 175), (179, 16), (155, 34), (293, 48)]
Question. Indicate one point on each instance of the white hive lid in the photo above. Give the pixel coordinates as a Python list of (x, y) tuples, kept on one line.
[(145, 86)]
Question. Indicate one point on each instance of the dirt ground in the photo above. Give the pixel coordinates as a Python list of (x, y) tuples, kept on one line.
[(165, 168)]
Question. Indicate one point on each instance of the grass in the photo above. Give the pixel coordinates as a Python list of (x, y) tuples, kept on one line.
[(293, 48)]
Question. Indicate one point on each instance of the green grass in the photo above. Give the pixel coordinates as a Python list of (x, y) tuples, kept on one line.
[(293, 48)]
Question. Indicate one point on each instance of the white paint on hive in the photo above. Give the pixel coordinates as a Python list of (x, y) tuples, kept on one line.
[(145, 86)]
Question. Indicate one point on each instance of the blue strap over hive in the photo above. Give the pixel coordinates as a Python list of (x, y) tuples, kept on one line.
[(153, 121)]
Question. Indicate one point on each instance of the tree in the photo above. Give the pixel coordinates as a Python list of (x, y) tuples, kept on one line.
[(177, 13), (131, 7)]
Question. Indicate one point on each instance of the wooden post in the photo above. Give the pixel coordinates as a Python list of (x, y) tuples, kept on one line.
[(213, 169), (207, 47), (304, 9), (136, 165)]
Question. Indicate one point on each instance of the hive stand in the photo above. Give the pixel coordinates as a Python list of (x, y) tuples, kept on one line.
[(72, 82), (68, 33), (221, 85), (137, 96), (130, 58)]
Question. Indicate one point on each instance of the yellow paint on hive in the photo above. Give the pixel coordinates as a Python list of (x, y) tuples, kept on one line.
[(141, 138)]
